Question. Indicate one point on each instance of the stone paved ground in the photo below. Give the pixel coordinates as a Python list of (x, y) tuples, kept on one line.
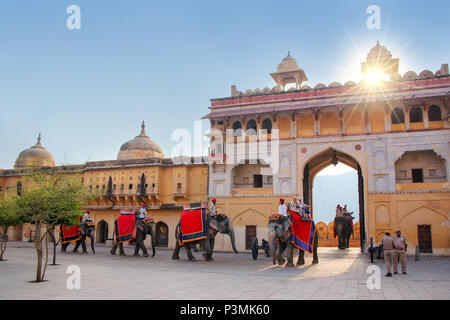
[(339, 275)]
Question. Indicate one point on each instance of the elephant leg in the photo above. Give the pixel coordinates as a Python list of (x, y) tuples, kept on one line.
[(189, 252), (316, 245), (83, 244), (176, 252), (136, 249), (301, 257), (121, 251), (92, 245), (208, 254), (63, 247), (290, 255), (114, 248), (143, 248), (211, 245), (77, 245), (281, 249)]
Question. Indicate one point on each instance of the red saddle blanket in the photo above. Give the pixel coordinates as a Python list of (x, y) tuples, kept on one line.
[(192, 225), (303, 232), (69, 234), (125, 227)]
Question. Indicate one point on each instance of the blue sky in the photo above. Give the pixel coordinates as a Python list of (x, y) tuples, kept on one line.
[(88, 90)]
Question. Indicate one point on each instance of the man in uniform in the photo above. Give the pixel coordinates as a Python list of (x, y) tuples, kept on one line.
[(400, 246), (388, 248)]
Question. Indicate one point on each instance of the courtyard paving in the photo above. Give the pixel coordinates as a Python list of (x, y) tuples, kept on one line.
[(339, 275)]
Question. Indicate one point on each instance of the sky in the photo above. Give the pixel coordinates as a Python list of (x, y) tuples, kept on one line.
[(88, 90)]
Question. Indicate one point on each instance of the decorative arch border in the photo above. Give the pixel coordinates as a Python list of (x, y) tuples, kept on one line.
[(423, 206)]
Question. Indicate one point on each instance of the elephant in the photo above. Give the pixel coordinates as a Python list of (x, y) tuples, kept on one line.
[(219, 223), (280, 239), (344, 230), (141, 230), (90, 232)]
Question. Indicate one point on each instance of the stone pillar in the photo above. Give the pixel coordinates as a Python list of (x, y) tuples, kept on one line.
[(341, 121), (317, 122), (407, 123), (367, 128), (387, 119), (425, 116), (294, 125)]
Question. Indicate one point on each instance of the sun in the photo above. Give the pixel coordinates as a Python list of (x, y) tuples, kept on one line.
[(375, 77)]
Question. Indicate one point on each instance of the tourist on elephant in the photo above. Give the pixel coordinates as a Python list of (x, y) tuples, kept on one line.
[(346, 213), (339, 212), (294, 205)]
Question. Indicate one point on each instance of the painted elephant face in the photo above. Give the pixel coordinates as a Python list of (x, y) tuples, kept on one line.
[(222, 225), (90, 231)]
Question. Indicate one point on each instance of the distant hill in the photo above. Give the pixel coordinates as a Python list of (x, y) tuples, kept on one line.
[(329, 191)]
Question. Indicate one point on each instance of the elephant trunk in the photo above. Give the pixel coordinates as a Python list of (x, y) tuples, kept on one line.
[(153, 240), (233, 240)]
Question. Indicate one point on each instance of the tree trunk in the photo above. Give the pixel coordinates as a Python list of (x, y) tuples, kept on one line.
[(38, 246), (51, 232), (3, 244)]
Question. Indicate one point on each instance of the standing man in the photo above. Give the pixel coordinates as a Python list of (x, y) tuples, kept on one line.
[(387, 243), (400, 246)]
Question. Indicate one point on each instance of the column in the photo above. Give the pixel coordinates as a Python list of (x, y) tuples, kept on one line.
[(387, 119), (294, 125), (341, 121), (317, 122), (425, 116)]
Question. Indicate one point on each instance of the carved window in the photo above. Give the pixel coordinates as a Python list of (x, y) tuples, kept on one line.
[(251, 127), (415, 115), (397, 116), (267, 125), (434, 113), (237, 128)]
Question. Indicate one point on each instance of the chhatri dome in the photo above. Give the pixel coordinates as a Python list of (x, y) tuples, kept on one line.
[(380, 58), (140, 147), (289, 72), (36, 156)]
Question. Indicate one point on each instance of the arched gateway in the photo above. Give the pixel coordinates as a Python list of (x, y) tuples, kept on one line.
[(394, 133), (322, 160)]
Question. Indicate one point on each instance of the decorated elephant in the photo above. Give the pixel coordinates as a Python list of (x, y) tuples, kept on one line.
[(343, 230), (219, 223), (143, 228), (89, 231), (281, 237)]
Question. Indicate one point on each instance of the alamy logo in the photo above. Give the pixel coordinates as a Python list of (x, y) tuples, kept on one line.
[(74, 20), (374, 20), (374, 280), (74, 280)]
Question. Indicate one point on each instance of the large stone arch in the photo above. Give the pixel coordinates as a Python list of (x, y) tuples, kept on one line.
[(322, 159)]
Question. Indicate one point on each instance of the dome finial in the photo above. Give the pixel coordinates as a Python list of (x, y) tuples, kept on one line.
[(142, 129), (38, 143)]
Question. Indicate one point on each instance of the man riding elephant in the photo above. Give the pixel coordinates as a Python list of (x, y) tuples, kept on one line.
[(144, 225), (86, 229), (281, 237), (343, 227), (219, 223)]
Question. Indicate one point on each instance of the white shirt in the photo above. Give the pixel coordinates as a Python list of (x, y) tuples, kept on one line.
[(142, 213), (212, 209), (282, 210), (86, 217)]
